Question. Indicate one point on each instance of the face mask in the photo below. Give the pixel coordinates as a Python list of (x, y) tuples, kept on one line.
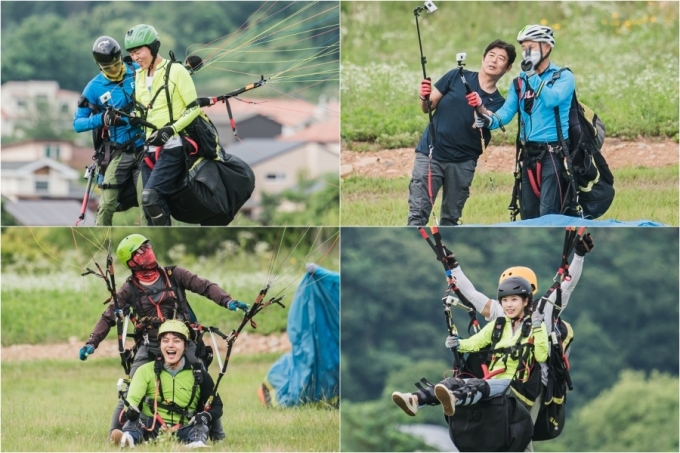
[(146, 260), (531, 59)]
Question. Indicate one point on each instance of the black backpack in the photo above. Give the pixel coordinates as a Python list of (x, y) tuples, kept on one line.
[(591, 181), (552, 416)]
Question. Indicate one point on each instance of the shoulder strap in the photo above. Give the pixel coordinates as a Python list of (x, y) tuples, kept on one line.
[(556, 75)]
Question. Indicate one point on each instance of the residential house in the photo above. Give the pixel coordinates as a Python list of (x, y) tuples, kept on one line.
[(41, 192), (19, 100)]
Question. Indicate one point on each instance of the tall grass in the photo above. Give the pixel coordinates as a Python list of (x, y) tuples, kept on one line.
[(67, 406), (641, 194), (43, 307), (624, 56)]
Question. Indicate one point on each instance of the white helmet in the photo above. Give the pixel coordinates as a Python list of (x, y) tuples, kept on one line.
[(537, 33)]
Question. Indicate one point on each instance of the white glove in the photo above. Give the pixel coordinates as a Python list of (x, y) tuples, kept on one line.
[(452, 342), (482, 121)]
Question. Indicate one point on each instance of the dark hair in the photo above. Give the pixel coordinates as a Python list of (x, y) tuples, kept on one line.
[(509, 49)]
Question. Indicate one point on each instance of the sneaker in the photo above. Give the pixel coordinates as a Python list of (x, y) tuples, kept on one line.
[(115, 436), (446, 397), (127, 440), (408, 402), (197, 444)]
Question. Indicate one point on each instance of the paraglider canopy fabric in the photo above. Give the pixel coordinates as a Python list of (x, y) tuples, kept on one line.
[(310, 372)]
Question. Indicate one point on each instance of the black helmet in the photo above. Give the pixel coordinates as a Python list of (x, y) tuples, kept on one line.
[(514, 286), (105, 50)]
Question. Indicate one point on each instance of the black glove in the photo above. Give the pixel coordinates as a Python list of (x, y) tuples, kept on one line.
[(132, 414), (161, 136), (203, 418), (585, 245), (109, 118), (193, 62), (134, 121), (450, 258)]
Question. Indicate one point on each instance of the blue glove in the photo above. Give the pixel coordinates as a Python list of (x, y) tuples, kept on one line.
[(452, 342), (85, 351), (233, 305)]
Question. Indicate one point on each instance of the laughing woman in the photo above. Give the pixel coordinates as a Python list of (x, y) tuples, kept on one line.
[(166, 394)]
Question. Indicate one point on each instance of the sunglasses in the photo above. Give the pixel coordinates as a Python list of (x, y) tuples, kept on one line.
[(143, 248), (109, 67)]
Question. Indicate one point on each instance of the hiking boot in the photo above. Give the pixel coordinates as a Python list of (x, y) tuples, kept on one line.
[(446, 397), (408, 402)]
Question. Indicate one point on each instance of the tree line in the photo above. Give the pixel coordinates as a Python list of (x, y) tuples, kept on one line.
[(624, 310)]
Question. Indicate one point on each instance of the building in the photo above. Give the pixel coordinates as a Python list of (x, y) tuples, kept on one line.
[(42, 192), (19, 101)]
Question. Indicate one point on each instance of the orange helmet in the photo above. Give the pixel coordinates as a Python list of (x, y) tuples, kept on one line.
[(520, 271)]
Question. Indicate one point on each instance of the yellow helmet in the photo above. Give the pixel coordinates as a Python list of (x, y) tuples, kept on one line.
[(174, 326), (520, 271)]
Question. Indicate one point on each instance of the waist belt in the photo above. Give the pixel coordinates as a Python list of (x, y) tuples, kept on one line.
[(540, 147)]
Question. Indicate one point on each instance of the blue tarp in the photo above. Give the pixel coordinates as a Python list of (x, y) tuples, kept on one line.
[(565, 221), (311, 371)]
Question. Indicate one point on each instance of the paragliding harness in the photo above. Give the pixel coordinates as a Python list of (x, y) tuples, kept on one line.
[(496, 424), (182, 311), (217, 184), (106, 151), (590, 189), (552, 416)]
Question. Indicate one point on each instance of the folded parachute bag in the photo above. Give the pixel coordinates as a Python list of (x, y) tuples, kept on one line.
[(214, 191), (310, 372), (501, 423)]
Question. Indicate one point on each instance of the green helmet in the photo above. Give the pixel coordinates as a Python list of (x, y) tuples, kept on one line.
[(128, 246), (174, 326), (142, 35)]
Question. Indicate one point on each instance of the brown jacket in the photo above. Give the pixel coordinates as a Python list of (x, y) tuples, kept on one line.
[(183, 279)]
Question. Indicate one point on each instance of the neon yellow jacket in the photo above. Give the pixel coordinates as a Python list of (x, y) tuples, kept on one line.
[(176, 389), (182, 93), (483, 338)]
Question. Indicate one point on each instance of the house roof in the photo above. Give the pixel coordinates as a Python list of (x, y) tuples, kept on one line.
[(287, 112), (327, 131), (26, 168), (256, 150), (47, 212)]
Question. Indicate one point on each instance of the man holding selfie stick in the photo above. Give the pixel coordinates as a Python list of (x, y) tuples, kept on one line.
[(543, 87), (118, 145), (449, 157)]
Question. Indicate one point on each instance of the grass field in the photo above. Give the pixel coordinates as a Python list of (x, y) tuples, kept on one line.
[(633, 88), (641, 194), (67, 406)]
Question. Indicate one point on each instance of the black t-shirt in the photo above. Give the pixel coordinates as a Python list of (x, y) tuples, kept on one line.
[(456, 140)]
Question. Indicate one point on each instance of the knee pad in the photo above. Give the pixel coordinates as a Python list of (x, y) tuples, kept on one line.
[(155, 207)]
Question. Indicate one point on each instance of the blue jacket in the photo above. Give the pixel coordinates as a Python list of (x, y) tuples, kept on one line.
[(539, 125), (121, 97)]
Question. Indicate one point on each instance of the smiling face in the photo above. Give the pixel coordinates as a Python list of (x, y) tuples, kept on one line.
[(142, 56), (513, 306), (172, 348)]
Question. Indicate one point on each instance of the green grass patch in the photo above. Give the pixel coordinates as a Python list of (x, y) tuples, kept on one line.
[(637, 94), (641, 194), (70, 404)]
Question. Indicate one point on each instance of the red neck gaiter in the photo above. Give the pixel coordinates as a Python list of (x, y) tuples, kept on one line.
[(145, 267)]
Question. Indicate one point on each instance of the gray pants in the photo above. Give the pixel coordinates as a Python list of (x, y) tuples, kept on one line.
[(456, 179), (142, 357)]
